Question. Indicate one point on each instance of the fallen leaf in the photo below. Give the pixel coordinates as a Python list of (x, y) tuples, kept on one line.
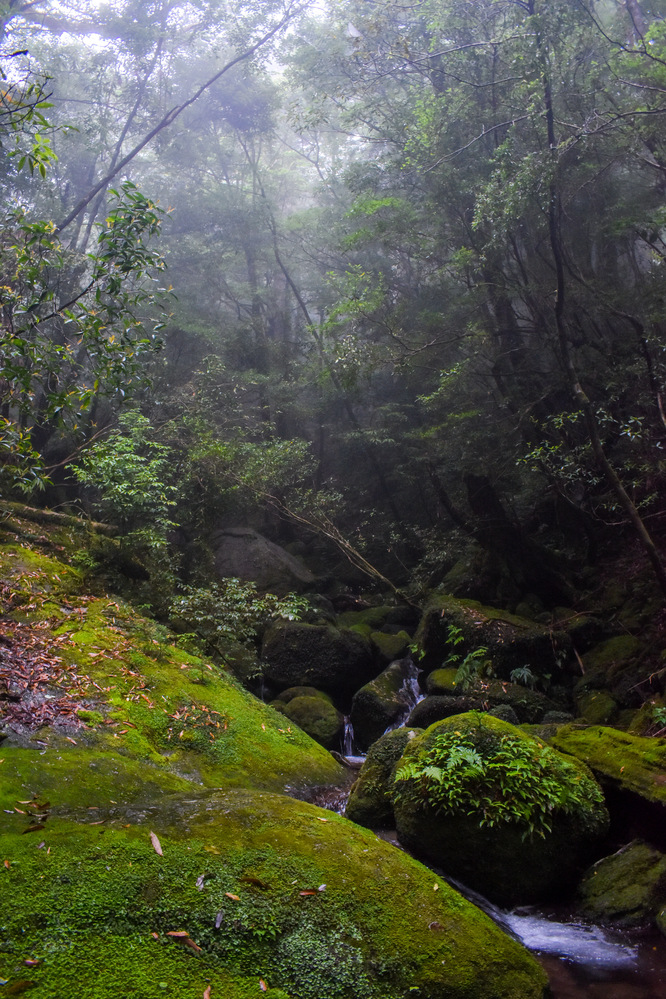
[(155, 936), (34, 828), (248, 879), (156, 844), (17, 988), (31, 963), (308, 891), (235, 898), (435, 887), (7, 864), (219, 919), (179, 934), (191, 944), (206, 994), (321, 888), (262, 985), (200, 882), (70, 740)]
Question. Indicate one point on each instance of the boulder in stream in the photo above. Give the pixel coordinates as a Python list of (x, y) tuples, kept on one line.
[(627, 888), (497, 809), (370, 801)]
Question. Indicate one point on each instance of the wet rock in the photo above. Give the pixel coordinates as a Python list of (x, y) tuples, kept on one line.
[(383, 701), (330, 659), (370, 801), (512, 642), (627, 888), (433, 709)]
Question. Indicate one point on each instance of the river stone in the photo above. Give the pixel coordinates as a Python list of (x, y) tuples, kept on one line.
[(433, 709), (502, 861), (316, 716), (245, 554), (370, 801), (627, 888), (381, 702), (333, 660)]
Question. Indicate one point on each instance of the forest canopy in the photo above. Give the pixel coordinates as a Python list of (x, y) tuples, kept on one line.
[(390, 275)]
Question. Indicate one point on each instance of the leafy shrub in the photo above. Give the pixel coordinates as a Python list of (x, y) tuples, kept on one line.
[(233, 611), (496, 777)]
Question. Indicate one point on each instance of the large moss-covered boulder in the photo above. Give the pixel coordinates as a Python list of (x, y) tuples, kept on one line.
[(452, 626), (316, 715), (238, 892), (497, 809), (628, 888), (333, 660), (370, 802), (529, 705), (384, 701)]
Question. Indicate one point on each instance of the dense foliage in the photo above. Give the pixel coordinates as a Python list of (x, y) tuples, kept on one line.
[(421, 242)]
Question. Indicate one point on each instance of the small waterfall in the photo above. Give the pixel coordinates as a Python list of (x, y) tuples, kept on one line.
[(409, 695), (348, 738)]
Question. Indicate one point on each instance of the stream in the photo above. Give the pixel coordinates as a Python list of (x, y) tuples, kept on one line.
[(582, 961)]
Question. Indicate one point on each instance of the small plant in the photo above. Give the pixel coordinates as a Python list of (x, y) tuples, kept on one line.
[(524, 676), (495, 777), (470, 668)]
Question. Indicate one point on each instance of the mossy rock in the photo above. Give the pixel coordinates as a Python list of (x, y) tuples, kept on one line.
[(621, 666), (336, 661), (370, 801), (291, 692), (628, 888), (370, 617), (316, 716), (436, 708), (597, 707), (661, 920), (512, 642), (442, 682), (390, 647), (382, 702), (628, 762), (480, 834), (530, 705), (249, 887)]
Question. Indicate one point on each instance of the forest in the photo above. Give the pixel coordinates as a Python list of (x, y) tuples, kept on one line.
[(332, 498)]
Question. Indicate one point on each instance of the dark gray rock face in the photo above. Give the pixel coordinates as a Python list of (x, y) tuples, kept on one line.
[(245, 554)]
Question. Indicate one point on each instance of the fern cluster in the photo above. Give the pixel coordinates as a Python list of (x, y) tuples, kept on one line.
[(496, 778)]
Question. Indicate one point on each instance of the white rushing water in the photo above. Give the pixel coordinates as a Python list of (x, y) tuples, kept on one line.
[(578, 942)]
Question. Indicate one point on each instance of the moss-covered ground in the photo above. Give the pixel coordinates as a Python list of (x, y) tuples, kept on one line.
[(145, 853)]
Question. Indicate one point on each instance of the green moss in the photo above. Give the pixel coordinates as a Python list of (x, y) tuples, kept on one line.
[(86, 905), (631, 762), (372, 618), (597, 707), (615, 650), (390, 647), (442, 681), (497, 808), (371, 799), (628, 888), (317, 717)]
